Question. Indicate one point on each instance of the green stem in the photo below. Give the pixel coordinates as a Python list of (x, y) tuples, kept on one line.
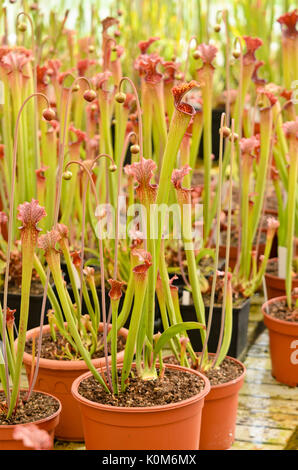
[(140, 290), (293, 175), (27, 266), (114, 304)]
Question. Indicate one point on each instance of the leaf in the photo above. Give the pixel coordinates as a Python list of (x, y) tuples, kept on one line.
[(173, 331), (2, 266), (205, 252)]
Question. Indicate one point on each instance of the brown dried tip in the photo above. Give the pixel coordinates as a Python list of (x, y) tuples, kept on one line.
[(120, 97), (89, 95), (179, 91), (49, 114), (236, 54), (144, 257), (115, 291), (22, 27), (113, 168), (76, 258), (196, 55), (226, 131), (10, 316), (135, 148), (40, 173)]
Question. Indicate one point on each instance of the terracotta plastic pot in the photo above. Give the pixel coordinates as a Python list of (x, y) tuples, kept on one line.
[(234, 252), (56, 377), (170, 427), (220, 413), (7, 442), (283, 339), (276, 286)]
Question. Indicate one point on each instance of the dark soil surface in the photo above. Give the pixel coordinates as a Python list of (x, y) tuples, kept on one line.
[(227, 371), (281, 311), (38, 407), (174, 387), (272, 268), (238, 298), (206, 264), (54, 350), (36, 289)]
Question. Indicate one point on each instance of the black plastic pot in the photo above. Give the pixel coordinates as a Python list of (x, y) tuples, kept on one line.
[(14, 303), (216, 117), (239, 332), (157, 322)]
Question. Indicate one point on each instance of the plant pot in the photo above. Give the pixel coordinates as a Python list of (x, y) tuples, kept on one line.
[(220, 413), (169, 427), (7, 442), (157, 321), (239, 331), (276, 286), (283, 340), (234, 253), (57, 377), (14, 303), (216, 117)]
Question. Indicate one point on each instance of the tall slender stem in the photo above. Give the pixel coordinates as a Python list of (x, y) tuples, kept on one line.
[(10, 230)]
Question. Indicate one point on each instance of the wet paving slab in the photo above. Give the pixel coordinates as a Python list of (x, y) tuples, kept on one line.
[(267, 416)]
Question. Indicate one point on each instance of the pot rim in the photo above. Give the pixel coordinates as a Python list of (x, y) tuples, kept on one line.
[(277, 320), (269, 276), (240, 307), (63, 365), (139, 409), (231, 382), (40, 421)]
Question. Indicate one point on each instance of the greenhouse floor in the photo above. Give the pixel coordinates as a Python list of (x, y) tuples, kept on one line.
[(268, 411)]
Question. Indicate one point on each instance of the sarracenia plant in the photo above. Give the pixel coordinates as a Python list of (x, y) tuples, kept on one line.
[(140, 337), (291, 131), (30, 214), (288, 23)]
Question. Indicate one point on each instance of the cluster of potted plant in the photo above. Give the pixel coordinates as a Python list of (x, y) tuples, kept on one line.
[(130, 350)]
